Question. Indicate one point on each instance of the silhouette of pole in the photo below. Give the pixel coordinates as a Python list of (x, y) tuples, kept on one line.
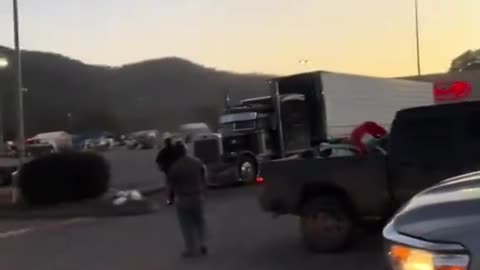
[(19, 86), (70, 122), (419, 71), (227, 99), (4, 63)]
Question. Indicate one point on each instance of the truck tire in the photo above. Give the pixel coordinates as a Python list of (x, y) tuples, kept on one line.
[(247, 169), (326, 224)]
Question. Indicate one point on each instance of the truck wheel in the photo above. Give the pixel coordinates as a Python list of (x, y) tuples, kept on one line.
[(247, 169), (326, 225)]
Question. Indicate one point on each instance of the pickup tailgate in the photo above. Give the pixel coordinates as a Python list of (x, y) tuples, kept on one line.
[(363, 179)]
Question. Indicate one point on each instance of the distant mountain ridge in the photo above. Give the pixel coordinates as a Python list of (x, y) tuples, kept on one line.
[(64, 93)]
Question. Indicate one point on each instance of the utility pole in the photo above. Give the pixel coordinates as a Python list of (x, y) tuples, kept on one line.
[(4, 64), (19, 86), (419, 71), (227, 103), (2, 125), (70, 123)]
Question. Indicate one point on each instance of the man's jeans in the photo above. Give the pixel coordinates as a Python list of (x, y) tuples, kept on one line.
[(192, 221)]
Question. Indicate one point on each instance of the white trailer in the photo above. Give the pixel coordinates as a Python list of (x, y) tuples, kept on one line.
[(353, 99)]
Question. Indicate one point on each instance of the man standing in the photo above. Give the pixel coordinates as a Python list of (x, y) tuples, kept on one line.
[(187, 178), (164, 160)]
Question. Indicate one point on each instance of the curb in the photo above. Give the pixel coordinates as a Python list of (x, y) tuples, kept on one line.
[(98, 208), (93, 209)]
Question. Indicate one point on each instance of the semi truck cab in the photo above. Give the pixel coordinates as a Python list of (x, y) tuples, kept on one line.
[(248, 135), (247, 131)]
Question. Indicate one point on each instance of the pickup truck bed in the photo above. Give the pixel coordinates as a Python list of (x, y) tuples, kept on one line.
[(361, 181), (329, 194)]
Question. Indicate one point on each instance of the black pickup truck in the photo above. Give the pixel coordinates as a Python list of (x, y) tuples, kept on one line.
[(333, 196)]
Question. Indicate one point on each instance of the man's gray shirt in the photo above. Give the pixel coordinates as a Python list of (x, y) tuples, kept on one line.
[(186, 176)]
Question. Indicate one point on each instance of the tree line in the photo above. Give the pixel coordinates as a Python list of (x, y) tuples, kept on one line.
[(66, 94)]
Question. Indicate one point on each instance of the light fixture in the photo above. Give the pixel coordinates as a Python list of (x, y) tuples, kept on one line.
[(408, 258), (3, 62)]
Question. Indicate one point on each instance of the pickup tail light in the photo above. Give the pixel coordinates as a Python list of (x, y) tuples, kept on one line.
[(259, 179)]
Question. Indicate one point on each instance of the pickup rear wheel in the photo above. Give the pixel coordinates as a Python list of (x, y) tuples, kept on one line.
[(326, 224)]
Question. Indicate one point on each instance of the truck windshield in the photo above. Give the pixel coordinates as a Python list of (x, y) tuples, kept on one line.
[(237, 117), (238, 121)]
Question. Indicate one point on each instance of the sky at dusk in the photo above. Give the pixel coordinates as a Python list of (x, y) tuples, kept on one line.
[(373, 37)]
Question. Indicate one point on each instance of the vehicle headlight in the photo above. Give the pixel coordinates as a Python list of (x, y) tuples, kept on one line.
[(408, 258)]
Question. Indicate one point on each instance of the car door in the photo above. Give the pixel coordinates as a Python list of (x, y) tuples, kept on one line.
[(470, 143)]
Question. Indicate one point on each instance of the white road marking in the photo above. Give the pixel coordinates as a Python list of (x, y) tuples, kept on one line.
[(53, 225), (13, 233)]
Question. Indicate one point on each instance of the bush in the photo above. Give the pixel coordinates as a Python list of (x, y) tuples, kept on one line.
[(64, 177)]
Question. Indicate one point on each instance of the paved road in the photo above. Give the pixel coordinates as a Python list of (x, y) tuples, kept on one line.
[(242, 237), (133, 168)]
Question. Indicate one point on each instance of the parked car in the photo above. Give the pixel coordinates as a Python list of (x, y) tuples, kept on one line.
[(438, 229), (144, 139), (131, 143), (50, 142), (334, 195)]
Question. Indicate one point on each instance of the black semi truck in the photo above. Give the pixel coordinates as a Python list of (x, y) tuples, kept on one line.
[(248, 136), (244, 139)]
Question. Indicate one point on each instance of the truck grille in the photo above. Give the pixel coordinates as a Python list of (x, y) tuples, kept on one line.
[(207, 150), (239, 126), (246, 142), (244, 125)]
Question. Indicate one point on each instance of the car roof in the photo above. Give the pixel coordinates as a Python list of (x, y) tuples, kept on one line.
[(435, 110)]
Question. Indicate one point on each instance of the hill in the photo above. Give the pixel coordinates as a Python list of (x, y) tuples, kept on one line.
[(64, 93)]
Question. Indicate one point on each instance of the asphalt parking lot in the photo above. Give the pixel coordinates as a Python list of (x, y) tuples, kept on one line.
[(134, 168), (241, 237)]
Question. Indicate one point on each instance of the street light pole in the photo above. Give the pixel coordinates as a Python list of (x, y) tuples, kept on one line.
[(69, 124), (19, 86), (4, 63), (419, 71)]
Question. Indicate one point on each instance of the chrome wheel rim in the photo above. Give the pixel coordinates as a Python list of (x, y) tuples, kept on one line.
[(246, 171)]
